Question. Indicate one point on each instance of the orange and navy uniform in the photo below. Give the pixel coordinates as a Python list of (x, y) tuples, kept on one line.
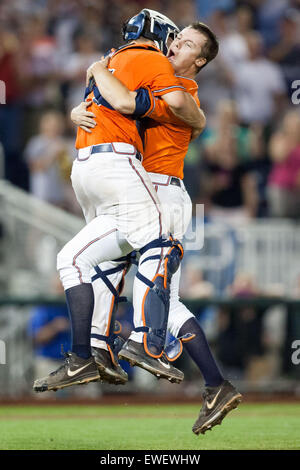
[(167, 138), (137, 66)]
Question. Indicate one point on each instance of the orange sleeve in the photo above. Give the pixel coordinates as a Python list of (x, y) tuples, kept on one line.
[(161, 112)]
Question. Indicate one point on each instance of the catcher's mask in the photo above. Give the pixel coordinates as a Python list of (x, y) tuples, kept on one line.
[(159, 28)]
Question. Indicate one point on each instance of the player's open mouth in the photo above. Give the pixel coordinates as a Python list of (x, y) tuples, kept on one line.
[(170, 54)]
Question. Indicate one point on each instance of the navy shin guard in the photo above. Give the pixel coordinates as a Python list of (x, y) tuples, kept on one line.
[(157, 301)]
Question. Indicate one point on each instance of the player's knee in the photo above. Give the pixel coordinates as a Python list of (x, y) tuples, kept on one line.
[(176, 322), (64, 259), (72, 270), (63, 263), (174, 326)]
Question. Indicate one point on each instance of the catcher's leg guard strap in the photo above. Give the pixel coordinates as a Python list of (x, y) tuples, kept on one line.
[(172, 262), (103, 275), (114, 342)]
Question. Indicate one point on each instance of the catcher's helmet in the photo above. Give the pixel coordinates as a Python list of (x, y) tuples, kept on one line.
[(159, 28)]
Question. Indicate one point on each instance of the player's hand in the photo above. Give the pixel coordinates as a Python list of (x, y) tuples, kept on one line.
[(196, 131), (83, 118), (104, 61), (94, 67), (90, 71), (89, 74)]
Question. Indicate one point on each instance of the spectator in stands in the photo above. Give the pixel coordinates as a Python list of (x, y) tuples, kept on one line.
[(50, 44), (284, 179), (49, 161), (76, 66), (41, 62), (244, 286), (2, 158), (11, 111), (193, 285), (215, 82), (229, 185), (286, 52), (182, 13), (240, 342), (49, 329), (258, 166), (258, 85), (251, 149), (206, 8), (232, 30), (227, 121), (268, 16)]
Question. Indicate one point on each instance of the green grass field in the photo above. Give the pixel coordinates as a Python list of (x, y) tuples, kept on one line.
[(152, 427)]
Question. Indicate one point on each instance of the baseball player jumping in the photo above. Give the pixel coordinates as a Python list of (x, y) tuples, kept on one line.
[(121, 207), (165, 147)]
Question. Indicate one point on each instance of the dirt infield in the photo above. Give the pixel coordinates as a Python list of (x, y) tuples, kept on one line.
[(145, 399)]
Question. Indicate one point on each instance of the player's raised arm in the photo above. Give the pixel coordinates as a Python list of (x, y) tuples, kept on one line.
[(123, 100), (111, 88), (186, 109), (164, 114)]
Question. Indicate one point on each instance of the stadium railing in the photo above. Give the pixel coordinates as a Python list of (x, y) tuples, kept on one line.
[(16, 375), (33, 231)]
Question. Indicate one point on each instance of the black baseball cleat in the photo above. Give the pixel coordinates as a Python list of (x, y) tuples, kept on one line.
[(109, 372), (135, 354), (75, 370), (218, 401)]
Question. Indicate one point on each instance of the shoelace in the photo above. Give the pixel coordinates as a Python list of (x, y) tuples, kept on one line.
[(67, 356), (206, 394)]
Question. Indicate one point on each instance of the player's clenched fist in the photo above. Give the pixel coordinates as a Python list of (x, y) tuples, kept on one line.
[(93, 68)]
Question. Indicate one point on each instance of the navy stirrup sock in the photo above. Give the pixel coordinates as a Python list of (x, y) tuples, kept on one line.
[(80, 301), (200, 352)]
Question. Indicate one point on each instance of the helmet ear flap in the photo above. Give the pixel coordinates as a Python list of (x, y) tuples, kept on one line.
[(133, 28)]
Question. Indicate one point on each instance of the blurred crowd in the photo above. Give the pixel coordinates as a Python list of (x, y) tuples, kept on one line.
[(245, 165), (247, 162)]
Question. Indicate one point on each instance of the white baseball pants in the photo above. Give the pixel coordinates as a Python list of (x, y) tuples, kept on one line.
[(122, 211), (176, 207)]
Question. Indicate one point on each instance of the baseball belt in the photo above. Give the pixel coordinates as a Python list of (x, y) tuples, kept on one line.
[(108, 148)]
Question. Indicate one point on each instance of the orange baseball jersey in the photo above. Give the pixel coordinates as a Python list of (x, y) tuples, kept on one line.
[(166, 142), (136, 66)]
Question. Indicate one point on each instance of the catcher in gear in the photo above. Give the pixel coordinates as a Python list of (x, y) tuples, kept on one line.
[(119, 202), (166, 144)]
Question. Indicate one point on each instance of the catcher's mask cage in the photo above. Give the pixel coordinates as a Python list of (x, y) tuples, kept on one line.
[(159, 28)]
